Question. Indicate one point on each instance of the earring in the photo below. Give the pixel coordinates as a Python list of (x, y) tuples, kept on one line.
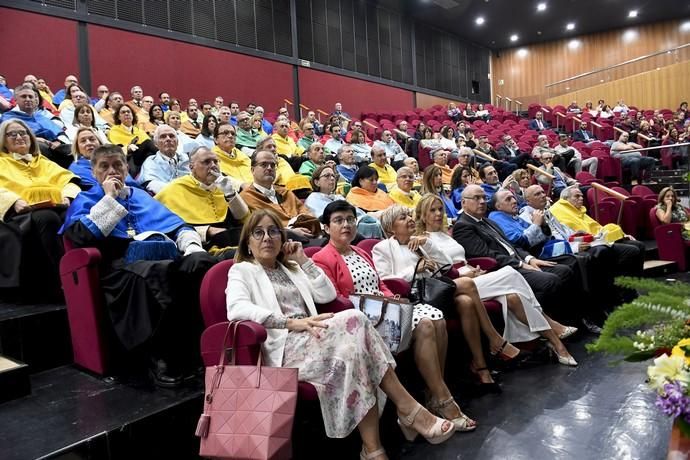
[(249, 250)]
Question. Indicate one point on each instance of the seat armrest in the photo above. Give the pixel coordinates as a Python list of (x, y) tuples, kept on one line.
[(398, 286), (250, 336), (76, 259), (339, 304), (485, 263)]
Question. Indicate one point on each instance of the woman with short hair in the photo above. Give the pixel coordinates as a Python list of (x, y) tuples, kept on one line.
[(365, 193)]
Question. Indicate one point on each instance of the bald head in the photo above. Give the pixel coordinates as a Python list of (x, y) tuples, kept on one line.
[(535, 196), (474, 201)]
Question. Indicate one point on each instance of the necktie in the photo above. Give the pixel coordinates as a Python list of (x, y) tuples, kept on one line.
[(506, 245)]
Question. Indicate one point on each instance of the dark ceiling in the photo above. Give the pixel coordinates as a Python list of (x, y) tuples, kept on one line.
[(506, 17)]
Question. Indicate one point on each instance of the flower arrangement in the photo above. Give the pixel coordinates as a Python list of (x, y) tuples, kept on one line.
[(655, 325)]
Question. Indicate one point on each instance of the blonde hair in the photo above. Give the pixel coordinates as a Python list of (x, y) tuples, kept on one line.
[(422, 209), (390, 215), (75, 144)]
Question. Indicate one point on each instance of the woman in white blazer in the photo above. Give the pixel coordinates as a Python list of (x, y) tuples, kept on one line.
[(523, 317), (341, 355)]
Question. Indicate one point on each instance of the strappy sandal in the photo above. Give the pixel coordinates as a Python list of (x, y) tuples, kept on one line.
[(364, 455), (462, 422), (521, 356), (433, 434)]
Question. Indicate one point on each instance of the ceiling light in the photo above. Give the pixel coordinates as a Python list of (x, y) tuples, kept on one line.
[(514, 38), (522, 52), (574, 44), (685, 27), (632, 14), (479, 21), (541, 7), (629, 36), (570, 26)]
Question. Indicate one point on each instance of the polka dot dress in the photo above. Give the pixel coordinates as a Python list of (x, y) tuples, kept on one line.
[(366, 281)]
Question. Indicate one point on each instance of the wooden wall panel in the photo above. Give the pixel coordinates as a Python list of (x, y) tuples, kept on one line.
[(425, 101), (655, 89), (526, 71)]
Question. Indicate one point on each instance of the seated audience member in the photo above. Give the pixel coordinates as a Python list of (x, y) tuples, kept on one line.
[(482, 238), (334, 142), (574, 108), (52, 141), (346, 163), (401, 136), (640, 166), (440, 158), (570, 212), (518, 183), (482, 113), (576, 164), (316, 159), (60, 95), (543, 147), (85, 142), (466, 158), (489, 180), (678, 154), (284, 173), (362, 151), (538, 123), (208, 201), (324, 183), (504, 168), (520, 233), (208, 127), (150, 292), (589, 108), (343, 116), (43, 88), (265, 124), (32, 190), (256, 122), (583, 135), (669, 210), (233, 161), (509, 151), (365, 193), (469, 113), (621, 108), (605, 112), (113, 100), (247, 137), (386, 174), (167, 164), (192, 125), (137, 94), (185, 144), (262, 194), (156, 118), (218, 103), (432, 183), (412, 163), (308, 135), (447, 140), (318, 127), (224, 114), (353, 274), (461, 178), (522, 315), (402, 193), (453, 112), (275, 284), (391, 148), (125, 133), (77, 97), (84, 117), (561, 180), (285, 145)]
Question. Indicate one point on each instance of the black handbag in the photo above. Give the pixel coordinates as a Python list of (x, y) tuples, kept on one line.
[(436, 290)]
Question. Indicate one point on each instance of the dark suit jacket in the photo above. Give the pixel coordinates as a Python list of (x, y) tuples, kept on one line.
[(479, 242), (533, 124), (579, 135), (503, 153)]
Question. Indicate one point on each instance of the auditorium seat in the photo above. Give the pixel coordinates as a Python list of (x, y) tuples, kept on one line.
[(670, 242)]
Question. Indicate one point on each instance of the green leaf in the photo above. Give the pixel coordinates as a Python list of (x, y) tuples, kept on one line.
[(640, 356)]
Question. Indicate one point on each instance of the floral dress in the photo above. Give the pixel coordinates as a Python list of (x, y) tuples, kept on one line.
[(345, 364), (678, 215), (366, 281)]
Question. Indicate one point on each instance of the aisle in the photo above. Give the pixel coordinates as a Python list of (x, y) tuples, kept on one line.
[(596, 411)]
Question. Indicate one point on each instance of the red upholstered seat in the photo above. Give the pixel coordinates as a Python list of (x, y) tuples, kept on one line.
[(670, 242)]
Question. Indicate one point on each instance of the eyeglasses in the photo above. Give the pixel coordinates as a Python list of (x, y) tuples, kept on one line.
[(266, 165), (15, 134), (405, 176), (327, 176), (273, 233), (477, 198), (342, 220), (240, 120), (227, 133)]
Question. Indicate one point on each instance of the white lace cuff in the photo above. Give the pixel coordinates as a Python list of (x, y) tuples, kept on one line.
[(106, 214), (189, 241)]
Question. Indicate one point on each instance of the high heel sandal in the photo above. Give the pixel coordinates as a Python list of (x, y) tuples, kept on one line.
[(434, 434), (364, 455), (567, 332), (521, 356), (565, 360), (485, 387), (462, 422)]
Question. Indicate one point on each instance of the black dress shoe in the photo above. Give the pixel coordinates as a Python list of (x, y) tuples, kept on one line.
[(591, 327), (162, 376)]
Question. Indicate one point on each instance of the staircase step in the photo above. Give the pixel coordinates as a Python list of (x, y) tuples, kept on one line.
[(653, 268)]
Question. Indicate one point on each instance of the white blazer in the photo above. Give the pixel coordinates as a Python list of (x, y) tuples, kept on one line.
[(250, 296), (393, 260)]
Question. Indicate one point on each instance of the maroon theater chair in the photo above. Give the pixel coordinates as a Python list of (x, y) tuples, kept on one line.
[(669, 241)]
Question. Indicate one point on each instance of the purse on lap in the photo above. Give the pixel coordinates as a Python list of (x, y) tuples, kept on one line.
[(436, 290), (391, 318), (248, 410)]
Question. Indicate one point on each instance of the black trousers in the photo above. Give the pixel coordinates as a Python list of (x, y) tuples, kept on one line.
[(629, 256), (551, 286)]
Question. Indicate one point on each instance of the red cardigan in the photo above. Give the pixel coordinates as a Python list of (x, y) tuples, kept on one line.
[(333, 264)]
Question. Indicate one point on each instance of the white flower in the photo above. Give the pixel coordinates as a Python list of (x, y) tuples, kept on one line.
[(666, 369)]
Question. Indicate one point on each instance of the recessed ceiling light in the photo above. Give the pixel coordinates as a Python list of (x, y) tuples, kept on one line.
[(479, 21), (574, 44), (541, 7), (514, 38), (570, 26), (632, 14)]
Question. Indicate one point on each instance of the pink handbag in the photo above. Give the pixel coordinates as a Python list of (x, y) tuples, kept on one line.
[(248, 410)]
